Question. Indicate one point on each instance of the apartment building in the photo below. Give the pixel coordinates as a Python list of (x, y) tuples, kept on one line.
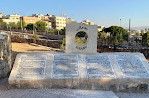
[(58, 22), (11, 18), (87, 22), (40, 16), (45, 18), (29, 19), (48, 22)]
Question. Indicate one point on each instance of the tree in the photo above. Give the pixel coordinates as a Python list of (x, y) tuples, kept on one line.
[(102, 36), (3, 25), (137, 37), (137, 34), (19, 24), (62, 31), (40, 26), (117, 35), (30, 26), (145, 39), (52, 31), (13, 25)]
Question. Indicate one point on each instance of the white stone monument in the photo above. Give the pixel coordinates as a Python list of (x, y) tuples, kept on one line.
[(81, 67), (81, 38)]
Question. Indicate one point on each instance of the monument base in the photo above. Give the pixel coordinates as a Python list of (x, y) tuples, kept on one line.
[(121, 71)]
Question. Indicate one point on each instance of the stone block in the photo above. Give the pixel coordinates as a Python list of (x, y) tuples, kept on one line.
[(105, 71), (5, 54), (81, 38)]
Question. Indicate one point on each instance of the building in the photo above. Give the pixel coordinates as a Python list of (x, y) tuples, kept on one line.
[(48, 22), (28, 19), (47, 16), (40, 16), (69, 19), (88, 22), (1, 15), (58, 22), (11, 18), (100, 28), (134, 32)]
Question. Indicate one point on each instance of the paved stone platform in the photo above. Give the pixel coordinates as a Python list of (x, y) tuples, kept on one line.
[(105, 71), (56, 93)]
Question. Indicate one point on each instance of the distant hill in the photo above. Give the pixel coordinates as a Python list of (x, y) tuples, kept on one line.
[(138, 28)]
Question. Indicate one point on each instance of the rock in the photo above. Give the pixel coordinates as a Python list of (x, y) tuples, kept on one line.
[(5, 55)]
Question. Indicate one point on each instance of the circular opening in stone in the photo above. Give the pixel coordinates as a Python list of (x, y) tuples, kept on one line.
[(81, 38)]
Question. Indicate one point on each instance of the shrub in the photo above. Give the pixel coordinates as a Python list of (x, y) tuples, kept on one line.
[(63, 44), (35, 37)]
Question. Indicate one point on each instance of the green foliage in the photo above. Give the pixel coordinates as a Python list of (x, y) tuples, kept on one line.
[(35, 37), (145, 39), (40, 26), (19, 24), (62, 31), (102, 35), (117, 34), (13, 25), (52, 31), (30, 26), (3, 24), (137, 34), (63, 44)]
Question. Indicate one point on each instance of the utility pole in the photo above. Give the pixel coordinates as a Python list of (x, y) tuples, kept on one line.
[(58, 32), (33, 30), (129, 24), (129, 30), (7, 27), (21, 24), (120, 22), (10, 29)]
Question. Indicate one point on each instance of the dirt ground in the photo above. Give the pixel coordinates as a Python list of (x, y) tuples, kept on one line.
[(28, 48), (24, 47)]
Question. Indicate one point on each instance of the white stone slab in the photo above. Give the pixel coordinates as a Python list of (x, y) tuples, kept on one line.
[(99, 66), (90, 47), (132, 66), (31, 67), (65, 66), (82, 71)]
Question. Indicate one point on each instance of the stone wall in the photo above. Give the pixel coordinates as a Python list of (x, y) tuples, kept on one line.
[(49, 43), (5, 54)]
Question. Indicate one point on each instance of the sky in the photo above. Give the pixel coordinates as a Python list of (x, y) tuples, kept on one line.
[(102, 12)]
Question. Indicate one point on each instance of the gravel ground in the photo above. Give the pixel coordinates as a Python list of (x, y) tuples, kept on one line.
[(132, 95), (6, 92)]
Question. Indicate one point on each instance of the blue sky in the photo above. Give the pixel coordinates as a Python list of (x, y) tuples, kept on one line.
[(102, 12)]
